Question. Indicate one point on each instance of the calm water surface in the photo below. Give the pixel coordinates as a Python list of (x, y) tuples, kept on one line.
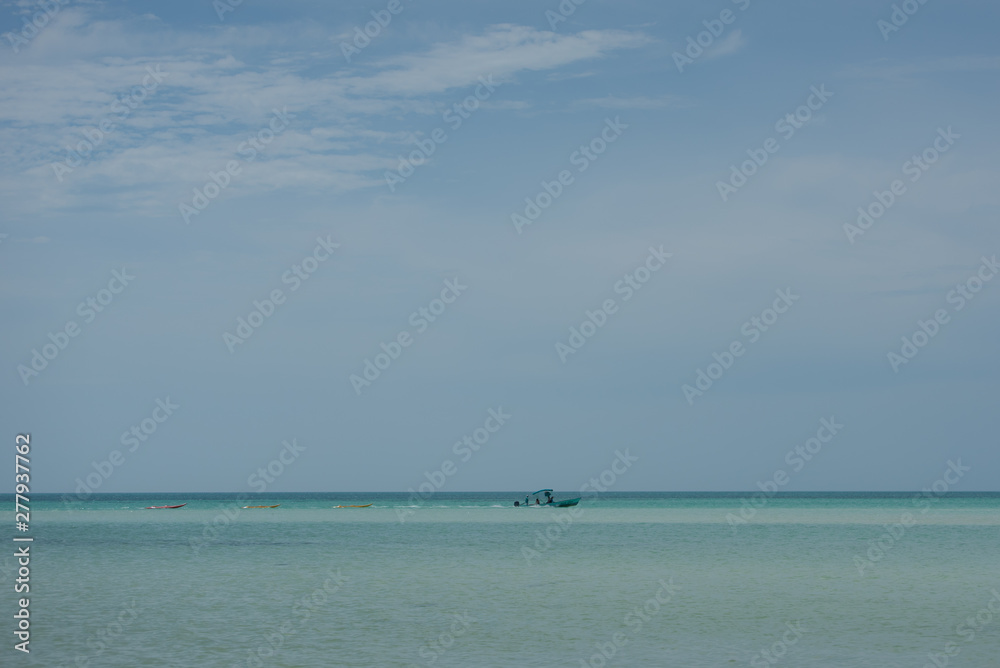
[(468, 580)]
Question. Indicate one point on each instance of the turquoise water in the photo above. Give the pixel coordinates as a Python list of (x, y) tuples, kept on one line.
[(469, 580)]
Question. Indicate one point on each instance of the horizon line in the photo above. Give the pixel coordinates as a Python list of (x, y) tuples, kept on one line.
[(590, 493)]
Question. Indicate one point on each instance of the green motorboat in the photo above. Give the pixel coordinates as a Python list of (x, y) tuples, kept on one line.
[(549, 501)]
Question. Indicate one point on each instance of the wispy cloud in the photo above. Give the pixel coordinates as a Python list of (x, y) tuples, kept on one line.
[(726, 46), (642, 102), (506, 105), (503, 51), (566, 76), (212, 99)]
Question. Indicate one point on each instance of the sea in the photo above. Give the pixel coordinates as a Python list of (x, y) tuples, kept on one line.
[(467, 579)]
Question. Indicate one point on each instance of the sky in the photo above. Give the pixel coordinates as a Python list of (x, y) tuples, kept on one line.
[(499, 246)]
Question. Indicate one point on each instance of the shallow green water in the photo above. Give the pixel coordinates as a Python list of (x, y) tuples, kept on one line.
[(468, 580)]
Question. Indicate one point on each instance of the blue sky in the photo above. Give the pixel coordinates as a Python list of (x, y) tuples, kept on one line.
[(320, 173)]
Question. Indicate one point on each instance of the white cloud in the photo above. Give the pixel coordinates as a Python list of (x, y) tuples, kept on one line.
[(501, 51), (215, 95), (728, 45)]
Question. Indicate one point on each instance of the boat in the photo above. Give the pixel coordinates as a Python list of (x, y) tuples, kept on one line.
[(549, 502), (157, 507), (363, 506), (274, 506)]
